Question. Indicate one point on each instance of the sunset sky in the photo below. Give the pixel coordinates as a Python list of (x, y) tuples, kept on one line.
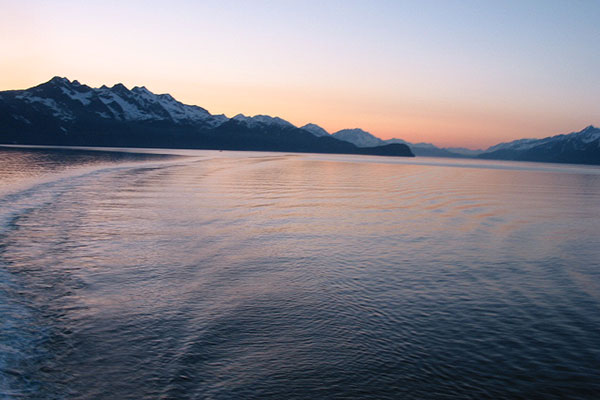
[(454, 73)]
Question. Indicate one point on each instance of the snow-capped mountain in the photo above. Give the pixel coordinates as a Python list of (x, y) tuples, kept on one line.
[(361, 138), (364, 139), (520, 144), (258, 120), (315, 130), (64, 112), (358, 137), (575, 147), (579, 140), (65, 100)]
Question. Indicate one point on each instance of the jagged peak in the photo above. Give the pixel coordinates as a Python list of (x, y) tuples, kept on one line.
[(358, 137), (59, 80), (166, 96), (358, 131), (355, 130), (267, 119), (119, 86), (589, 128), (141, 89), (264, 117), (56, 81), (261, 119), (315, 129)]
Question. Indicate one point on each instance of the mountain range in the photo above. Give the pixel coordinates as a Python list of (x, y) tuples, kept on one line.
[(64, 112), (581, 147), (363, 138)]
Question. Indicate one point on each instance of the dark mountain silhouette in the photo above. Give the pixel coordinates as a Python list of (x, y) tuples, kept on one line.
[(364, 139), (581, 147), (578, 147), (61, 112)]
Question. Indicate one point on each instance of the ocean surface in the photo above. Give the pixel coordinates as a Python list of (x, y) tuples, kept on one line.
[(241, 275)]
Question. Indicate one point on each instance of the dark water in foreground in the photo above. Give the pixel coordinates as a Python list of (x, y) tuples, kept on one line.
[(266, 275)]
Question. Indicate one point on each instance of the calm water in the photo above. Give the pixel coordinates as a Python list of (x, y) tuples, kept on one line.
[(270, 275)]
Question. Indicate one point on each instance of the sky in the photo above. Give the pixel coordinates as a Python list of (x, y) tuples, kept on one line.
[(453, 73)]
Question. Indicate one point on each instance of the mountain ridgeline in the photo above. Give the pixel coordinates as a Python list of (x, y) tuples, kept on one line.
[(64, 112), (61, 112), (581, 147)]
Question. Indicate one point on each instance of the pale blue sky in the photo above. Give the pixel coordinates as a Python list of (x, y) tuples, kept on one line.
[(469, 73)]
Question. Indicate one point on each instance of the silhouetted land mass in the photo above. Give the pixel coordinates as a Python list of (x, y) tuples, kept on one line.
[(581, 147), (61, 112)]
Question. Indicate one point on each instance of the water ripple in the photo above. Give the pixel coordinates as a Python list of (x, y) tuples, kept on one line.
[(227, 275)]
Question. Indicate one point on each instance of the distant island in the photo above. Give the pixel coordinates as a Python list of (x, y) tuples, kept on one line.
[(64, 112)]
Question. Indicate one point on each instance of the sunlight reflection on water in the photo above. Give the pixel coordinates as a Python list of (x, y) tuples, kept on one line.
[(251, 275)]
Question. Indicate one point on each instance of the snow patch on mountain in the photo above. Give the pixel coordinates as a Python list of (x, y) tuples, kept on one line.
[(521, 144), (361, 138), (358, 137), (128, 111), (578, 139), (50, 104), (588, 135), (103, 114), (22, 119), (315, 129), (83, 97), (396, 140), (258, 120), (138, 104), (180, 112)]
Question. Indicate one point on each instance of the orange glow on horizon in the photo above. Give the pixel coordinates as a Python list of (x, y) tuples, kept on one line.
[(333, 111), (440, 77)]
